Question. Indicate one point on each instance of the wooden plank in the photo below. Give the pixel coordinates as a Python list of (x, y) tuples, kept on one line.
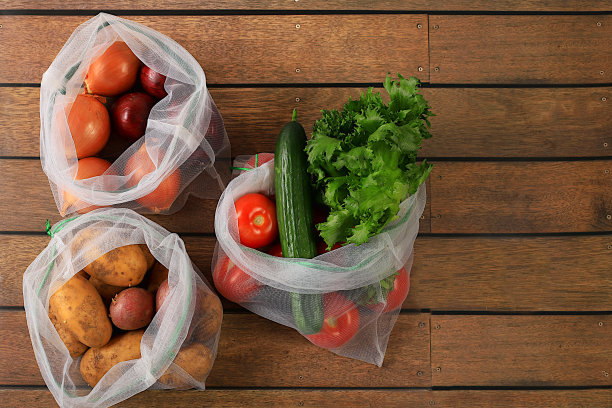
[(470, 122), (520, 49), (512, 274), (522, 399), (241, 398), (255, 352), (332, 398), (361, 5), (521, 350), (516, 197), (28, 213), (270, 49), (475, 273)]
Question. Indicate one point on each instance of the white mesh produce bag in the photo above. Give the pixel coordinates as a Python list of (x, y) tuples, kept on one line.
[(352, 281), (185, 132), (175, 326)]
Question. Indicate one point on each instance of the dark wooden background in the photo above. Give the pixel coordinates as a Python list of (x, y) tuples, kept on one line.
[(511, 298)]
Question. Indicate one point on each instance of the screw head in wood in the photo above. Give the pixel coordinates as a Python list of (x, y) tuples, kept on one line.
[(297, 99), (421, 325), (599, 24), (420, 69), (437, 326), (419, 373), (419, 25), (297, 26), (609, 217), (600, 324), (607, 171), (436, 69), (605, 144), (609, 246), (297, 70), (438, 369), (0, 25), (605, 373), (603, 99), (601, 72), (436, 27), (301, 377)]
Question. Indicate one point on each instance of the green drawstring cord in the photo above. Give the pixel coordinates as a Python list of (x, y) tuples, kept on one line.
[(58, 227), (244, 168)]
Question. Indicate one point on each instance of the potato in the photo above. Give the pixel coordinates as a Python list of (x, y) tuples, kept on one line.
[(98, 361), (161, 294), (74, 346), (148, 255), (106, 291), (196, 359), (207, 317), (123, 266), (132, 309), (157, 275), (80, 308)]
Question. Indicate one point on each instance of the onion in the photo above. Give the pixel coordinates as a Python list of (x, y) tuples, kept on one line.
[(87, 168), (89, 125), (114, 72), (163, 196), (130, 114), (153, 82)]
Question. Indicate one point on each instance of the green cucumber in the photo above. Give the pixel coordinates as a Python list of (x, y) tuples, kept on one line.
[(294, 216)]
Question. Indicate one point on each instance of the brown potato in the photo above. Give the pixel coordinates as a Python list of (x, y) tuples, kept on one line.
[(132, 309), (106, 291), (148, 256), (80, 308), (207, 317), (196, 359), (157, 275), (123, 266), (98, 361), (74, 346)]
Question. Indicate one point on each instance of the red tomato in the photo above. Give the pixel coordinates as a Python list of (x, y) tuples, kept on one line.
[(276, 250), (256, 220), (233, 283), (341, 322), (322, 247), (397, 295), (260, 158)]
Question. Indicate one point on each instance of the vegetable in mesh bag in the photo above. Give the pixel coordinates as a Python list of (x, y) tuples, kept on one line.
[(125, 93), (118, 253)]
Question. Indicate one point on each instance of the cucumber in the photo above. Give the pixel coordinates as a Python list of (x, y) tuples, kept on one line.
[(294, 216)]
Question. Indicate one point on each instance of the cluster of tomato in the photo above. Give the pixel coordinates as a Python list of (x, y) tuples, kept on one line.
[(258, 228), (119, 93)]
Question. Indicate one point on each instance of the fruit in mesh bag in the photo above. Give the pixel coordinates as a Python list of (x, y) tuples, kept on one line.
[(89, 125), (196, 360), (114, 72), (132, 308), (87, 168)]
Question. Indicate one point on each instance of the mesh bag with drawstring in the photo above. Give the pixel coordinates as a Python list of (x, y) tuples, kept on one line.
[(352, 293)]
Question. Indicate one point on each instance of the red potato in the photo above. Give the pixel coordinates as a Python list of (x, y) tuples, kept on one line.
[(132, 309), (161, 295)]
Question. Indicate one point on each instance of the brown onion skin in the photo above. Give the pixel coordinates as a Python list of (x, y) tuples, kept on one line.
[(89, 125), (153, 82), (164, 195), (88, 167), (114, 72), (130, 113)]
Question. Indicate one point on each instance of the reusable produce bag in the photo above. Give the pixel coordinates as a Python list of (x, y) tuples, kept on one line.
[(184, 133), (355, 283), (178, 324)]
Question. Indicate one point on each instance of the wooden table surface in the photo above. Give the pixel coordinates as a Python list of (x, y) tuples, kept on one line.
[(511, 297)]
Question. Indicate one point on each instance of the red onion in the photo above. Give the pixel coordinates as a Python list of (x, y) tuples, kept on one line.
[(153, 82), (129, 115)]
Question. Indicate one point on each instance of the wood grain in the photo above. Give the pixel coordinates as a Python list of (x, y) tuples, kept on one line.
[(474, 273), (255, 352), (520, 49), (28, 212), (593, 398), (517, 197), (232, 398), (365, 5), (470, 122), (521, 350), (247, 49)]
